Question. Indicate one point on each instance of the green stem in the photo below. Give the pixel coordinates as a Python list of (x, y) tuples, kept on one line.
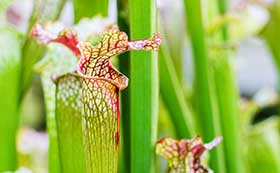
[(144, 88), (204, 104)]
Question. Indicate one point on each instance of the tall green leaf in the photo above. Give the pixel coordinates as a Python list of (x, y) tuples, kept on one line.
[(144, 88), (227, 96), (227, 102), (10, 55), (204, 99)]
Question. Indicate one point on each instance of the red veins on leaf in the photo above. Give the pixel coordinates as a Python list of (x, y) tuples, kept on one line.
[(95, 60)]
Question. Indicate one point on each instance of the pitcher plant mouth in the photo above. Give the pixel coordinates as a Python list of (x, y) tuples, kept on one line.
[(87, 99)]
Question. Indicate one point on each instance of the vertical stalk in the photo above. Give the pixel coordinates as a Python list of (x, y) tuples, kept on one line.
[(90, 8), (204, 104), (10, 54), (144, 88), (227, 100)]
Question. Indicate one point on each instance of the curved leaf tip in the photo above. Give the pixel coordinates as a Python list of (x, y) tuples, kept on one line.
[(95, 60)]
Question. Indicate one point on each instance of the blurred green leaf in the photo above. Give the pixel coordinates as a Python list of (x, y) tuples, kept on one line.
[(225, 87), (271, 33), (173, 97), (262, 149), (173, 31), (43, 11), (20, 170), (90, 8), (204, 92), (227, 102), (3, 5), (10, 56)]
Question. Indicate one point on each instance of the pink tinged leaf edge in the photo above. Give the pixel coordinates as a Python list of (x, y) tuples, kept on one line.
[(213, 143), (67, 37)]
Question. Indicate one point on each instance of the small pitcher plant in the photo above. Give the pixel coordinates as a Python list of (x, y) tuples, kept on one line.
[(184, 156), (87, 108)]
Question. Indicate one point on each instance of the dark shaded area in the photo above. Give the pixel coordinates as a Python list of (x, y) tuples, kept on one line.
[(266, 112)]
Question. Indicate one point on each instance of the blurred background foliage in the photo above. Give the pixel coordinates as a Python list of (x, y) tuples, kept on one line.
[(216, 73)]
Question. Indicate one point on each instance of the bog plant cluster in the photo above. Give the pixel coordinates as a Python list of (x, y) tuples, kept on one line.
[(114, 93)]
